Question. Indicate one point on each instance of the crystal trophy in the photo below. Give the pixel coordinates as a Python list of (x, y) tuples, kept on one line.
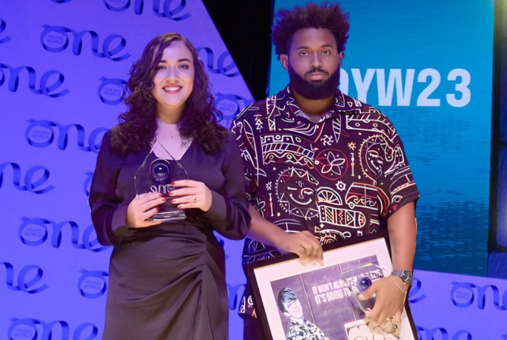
[(358, 280), (156, 174)]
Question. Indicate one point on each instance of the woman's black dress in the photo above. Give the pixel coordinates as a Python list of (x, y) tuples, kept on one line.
[(168, 282)]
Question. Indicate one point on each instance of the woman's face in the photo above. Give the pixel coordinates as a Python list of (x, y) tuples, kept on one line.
[(174, 81)]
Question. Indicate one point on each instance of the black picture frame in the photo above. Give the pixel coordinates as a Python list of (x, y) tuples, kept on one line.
[(264, 276)]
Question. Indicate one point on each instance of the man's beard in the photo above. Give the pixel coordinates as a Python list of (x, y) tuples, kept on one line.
[(314, 89)]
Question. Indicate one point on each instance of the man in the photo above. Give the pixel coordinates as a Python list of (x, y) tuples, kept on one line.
[(300, 328), (322, 166)]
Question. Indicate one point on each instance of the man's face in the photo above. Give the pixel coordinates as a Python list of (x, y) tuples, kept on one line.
[(294, 309), (313, 63)]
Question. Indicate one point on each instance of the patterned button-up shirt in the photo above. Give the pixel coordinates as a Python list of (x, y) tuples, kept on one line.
[(304, 331), (337, 178)]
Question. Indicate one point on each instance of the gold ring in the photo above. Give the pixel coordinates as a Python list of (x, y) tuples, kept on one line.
[(195, 199)]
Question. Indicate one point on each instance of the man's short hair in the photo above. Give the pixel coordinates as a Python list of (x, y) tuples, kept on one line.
[(325, 15), (285, 296)]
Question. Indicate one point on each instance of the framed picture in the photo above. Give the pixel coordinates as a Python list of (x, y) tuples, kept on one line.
[(295, 301)]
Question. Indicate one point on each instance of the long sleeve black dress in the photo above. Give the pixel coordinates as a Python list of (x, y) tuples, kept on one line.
[(168, 281)]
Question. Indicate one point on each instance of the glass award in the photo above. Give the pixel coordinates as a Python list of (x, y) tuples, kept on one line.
[(359, 279), (156, 174)]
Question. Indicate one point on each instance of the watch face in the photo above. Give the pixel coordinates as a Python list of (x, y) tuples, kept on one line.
[(404, 275), (407, 277)]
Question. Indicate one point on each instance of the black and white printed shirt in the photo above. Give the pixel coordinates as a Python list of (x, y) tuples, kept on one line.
[(304, 331)]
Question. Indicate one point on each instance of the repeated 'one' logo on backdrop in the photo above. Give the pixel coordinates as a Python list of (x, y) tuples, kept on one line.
[(56, 39), (5, 38), (29, 328), (441, 333), (171, 9), (47, 84), (93, 283), (41, 133), (111, 90), (235, 293), (231, 104), (34, 180), (34, 232), (224, 64), (415, 295), (463, 295), (27, 280), (88, 182)]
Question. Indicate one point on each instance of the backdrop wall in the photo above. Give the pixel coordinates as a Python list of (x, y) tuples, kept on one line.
[(63, 67)]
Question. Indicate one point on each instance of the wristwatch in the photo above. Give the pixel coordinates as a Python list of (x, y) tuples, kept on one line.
[(404, 275)]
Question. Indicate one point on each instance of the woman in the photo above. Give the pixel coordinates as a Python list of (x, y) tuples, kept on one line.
[(167, 279)]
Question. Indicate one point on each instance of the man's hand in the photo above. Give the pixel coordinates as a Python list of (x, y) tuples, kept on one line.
[(303, 244), (389, 299)]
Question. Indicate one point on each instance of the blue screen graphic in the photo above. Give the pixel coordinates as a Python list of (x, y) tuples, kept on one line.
[(427, 65)]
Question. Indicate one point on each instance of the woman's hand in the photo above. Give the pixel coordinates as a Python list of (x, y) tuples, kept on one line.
[(191, 195), (143, 207)]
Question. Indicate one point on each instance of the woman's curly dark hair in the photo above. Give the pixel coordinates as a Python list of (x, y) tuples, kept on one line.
[(138, 125), (325, 15)]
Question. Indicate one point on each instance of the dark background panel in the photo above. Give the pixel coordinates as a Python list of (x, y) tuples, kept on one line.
[(245, 27)]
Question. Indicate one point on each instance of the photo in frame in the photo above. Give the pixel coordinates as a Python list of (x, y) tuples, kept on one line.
[(295, 301)]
